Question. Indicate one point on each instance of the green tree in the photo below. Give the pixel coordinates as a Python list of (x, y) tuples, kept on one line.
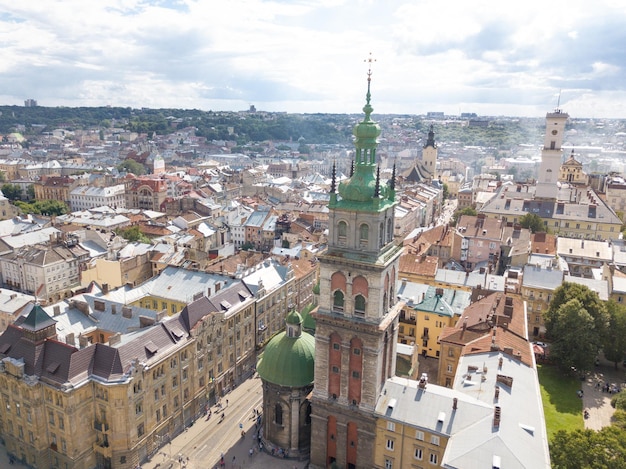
[(43, 207), (12, 191), (464, 211), (576, 322), (133, 234), (582, 449), (30, 192), (614, 346), (533, 222), (131, 166)]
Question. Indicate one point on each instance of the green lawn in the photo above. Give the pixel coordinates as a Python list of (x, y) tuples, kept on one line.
[(561, 406), (403, 366)]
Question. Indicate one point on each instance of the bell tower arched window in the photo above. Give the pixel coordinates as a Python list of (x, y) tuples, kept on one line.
[(338, 301), (359, 305), (364, 234), (342, 233)]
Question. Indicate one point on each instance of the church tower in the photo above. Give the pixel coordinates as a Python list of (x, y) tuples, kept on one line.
[(551, 156), (357, 318), (429, 154)]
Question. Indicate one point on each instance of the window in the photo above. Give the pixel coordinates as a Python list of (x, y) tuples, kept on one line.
[(359, 305), (364, 235), (335, 346), (338, 301), (391, 426), (418, 453), (390, 445), (138, 408), (434, 440), (140, 430), (388, 464), (342, 229), (279, 414), (335, 369), (449, 368), (433, 458), (419, 435), (356, 374)]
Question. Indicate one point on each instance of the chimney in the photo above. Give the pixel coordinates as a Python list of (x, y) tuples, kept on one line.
[(497, 395), (115, 338), (496, 417), (57, 310), (454, 403), (69, 339), (423, 381), (105, 288)]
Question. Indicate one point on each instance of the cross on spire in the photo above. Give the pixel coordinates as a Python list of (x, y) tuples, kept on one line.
[(369, 61)]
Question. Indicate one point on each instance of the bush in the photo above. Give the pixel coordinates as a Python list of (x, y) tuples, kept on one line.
[(618, 401)]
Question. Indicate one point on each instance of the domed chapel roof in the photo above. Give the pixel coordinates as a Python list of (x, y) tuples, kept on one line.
[(288, 359)]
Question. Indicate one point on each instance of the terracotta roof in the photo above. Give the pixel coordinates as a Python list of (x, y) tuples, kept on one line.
[(419, 265)]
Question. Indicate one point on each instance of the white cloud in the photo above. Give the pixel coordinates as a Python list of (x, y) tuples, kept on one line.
[(307, 55)]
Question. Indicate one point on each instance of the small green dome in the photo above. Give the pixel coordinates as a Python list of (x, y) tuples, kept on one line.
[(288, 361), (293, 318)]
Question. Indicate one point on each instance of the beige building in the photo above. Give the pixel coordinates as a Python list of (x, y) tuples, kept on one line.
[(49, 271), (572, 172), (111, 404)]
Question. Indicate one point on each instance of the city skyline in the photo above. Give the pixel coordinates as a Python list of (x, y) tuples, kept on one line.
[(307, 56)]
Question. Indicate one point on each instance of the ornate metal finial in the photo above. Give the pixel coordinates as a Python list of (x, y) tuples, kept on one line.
[(352, 169), (369, 61), (333, 184), (392, 184)]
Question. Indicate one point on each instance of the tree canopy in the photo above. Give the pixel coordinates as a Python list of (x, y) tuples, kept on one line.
[(576, 323), (614, 347), (12, 191), (533, 222), (43, 207), (131, 166), (133, 234), (464, 211), (580, 449)]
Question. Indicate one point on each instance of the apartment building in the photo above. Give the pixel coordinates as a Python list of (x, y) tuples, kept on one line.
[(87, 197)]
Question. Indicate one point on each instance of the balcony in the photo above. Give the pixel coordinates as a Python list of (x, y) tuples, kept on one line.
[(101, 426), (103, 448), (407, 319)]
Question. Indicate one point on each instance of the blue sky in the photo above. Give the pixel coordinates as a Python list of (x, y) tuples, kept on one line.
[(489, 57)]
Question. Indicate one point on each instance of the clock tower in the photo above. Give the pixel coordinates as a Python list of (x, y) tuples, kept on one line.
[(551, 156), (357, 318)]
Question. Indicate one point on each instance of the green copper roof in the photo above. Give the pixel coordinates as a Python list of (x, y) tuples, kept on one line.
[(293, 318), (37, 319), (288, 361), (363, 190)]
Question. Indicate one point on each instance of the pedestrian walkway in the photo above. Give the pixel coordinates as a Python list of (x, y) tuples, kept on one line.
[(595, 399), (5, 461), (204, 434)]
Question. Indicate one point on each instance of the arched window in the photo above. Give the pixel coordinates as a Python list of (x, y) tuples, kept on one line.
[(364, 233), (381, 235), (389, 229), (359, 305), (338, 301), (342, 232), (279, 414)]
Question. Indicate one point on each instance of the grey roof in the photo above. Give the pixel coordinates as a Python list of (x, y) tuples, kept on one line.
[(540, 277), (601, 287), (520, 440)]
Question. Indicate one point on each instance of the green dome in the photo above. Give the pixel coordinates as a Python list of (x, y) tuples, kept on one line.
[(293, 318), (288, 361)]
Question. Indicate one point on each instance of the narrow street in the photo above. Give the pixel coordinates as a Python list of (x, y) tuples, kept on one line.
[(203, 443)]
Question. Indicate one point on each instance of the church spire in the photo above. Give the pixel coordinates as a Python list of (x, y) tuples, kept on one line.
[(430, 142)]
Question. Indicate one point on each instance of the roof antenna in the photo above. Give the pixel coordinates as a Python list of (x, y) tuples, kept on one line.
[(558, 102)]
